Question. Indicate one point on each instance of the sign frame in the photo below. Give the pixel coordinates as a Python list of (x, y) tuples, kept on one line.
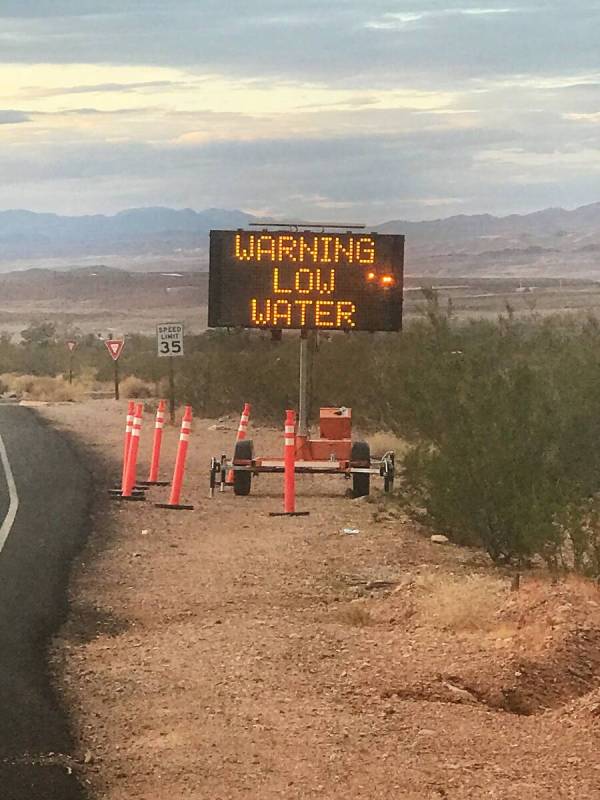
[(322, 280), (174, 344)]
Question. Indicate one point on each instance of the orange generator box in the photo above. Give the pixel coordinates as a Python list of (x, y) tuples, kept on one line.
[(335, 423)]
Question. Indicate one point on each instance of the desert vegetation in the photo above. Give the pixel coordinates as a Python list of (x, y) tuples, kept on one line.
[(500, 420)]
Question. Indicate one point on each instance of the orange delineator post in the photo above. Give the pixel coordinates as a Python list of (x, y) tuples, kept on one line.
[(128, 426), (289, 470), (242, 432), (157, 444), (289, 463), (134, 447), (178, 472)]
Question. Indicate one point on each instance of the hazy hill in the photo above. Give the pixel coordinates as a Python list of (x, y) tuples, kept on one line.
[(551, 222), (550, 242), (25, 234)]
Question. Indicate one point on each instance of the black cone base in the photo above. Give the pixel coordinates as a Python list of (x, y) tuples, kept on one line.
[(135, 493), (289, 513), (174, 506)]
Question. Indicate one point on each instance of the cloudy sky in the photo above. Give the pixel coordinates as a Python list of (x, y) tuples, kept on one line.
[(361, 110)]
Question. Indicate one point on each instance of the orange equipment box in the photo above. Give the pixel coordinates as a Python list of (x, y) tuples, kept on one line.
[(336, 423)]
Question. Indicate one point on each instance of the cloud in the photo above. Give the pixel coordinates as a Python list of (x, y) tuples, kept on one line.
[(386, 108), (99, 88), (9, 117), (393, 21), (313, 40), (378, 177)]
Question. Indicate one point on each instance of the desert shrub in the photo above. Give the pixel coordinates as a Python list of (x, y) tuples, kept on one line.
[(225, 370), (382, 442), (355, 614), (135, 388), (48, 389), (507, 419)]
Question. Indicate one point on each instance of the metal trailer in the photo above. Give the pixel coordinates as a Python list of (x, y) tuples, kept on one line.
[(333, 453)]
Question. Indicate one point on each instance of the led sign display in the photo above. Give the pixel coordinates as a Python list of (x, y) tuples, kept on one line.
[(301, 279)]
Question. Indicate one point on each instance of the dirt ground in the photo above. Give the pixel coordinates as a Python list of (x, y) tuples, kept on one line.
[(222, 653)]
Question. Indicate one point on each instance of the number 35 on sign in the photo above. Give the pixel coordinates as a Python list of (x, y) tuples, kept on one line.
[(169, 338)]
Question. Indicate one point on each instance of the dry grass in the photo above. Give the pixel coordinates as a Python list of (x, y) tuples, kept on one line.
[(355, 614), (383, 441), (46, 389), (135, 388), (460, 603)]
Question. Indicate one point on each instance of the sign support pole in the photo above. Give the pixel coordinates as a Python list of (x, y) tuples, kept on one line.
[(303, 401), (71, 367), (172, 390), (116, 363)]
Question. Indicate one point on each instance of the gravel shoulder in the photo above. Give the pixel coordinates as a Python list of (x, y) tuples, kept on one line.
[(222, 653)]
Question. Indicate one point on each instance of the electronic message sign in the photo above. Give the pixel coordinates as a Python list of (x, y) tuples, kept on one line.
[(305, 280)]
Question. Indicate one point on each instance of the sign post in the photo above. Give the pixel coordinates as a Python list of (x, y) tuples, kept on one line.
[(71, 344), (115, 348), (169, 343), (303, 403)]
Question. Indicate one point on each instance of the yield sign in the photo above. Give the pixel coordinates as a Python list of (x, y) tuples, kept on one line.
[(71, 345), (114, 347)]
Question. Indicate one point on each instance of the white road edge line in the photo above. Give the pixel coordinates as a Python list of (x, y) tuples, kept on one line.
[(13, 507)]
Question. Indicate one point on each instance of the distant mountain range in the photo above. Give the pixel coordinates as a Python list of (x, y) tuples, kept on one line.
[(25, 234), (549, 242)]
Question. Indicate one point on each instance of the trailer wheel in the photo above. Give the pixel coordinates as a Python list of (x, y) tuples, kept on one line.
[(242, 479), (360, 456)]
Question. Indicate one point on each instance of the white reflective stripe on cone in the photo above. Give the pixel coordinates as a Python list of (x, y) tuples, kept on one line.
[(289, 442), (184, 437)]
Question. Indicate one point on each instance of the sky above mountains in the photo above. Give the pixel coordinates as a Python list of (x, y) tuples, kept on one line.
[(341, 110)]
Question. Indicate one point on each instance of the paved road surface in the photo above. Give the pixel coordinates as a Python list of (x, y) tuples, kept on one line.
[(44, 495)]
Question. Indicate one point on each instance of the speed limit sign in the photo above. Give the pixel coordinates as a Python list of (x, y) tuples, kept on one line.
[(169, 338)]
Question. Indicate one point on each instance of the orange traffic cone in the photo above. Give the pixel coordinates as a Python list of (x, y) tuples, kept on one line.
[(134, 445), (289, 470), (178, 472), (117, 492), (127, 442), (156, 447), (242, 432)]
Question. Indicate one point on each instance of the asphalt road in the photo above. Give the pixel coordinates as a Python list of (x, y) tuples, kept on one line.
[(44, 497)]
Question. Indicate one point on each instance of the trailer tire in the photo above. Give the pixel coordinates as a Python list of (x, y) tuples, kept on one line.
[(360, 456), (242, 480)]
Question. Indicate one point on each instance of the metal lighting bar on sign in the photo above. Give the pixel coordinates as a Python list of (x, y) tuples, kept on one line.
[(307, 225)]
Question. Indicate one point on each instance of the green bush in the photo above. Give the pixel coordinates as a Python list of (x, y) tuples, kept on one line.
[(507, 417)]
